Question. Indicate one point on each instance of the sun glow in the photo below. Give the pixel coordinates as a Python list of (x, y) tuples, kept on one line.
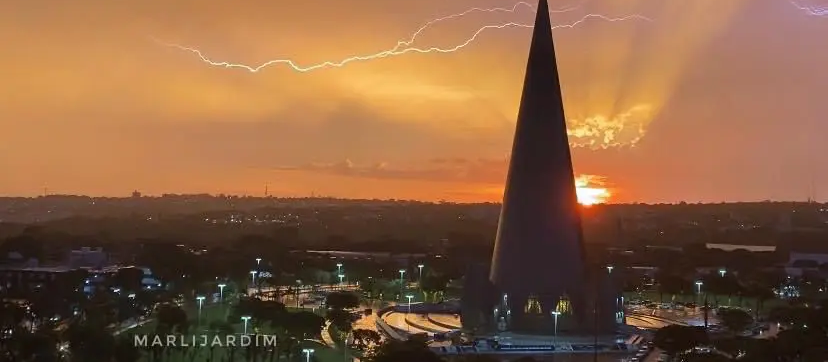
[(590, 190)]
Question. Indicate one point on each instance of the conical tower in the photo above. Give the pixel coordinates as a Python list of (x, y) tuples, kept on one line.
[(538, 256)]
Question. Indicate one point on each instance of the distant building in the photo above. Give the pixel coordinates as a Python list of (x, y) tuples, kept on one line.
[(750, 248), (357, 255), (87, 257), (817, 258), (21, 282)]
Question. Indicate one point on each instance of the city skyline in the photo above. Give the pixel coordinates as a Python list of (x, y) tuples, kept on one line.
[(724, 109)]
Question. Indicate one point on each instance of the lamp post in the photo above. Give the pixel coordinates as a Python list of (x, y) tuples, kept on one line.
[(339, 268), (246, 319), (258, 262), (298, 284), (341, 279), (698, 288), (402, 281), (722, 272), (420, 276), (556, 314), (221, 292), (308, 352), (253, 278), (410, 297), (609, 269), (200, 300)]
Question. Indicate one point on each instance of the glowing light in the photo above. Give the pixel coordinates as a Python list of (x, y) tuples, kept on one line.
[(590, 190), (599, 131), (813, 10), (405, 46)]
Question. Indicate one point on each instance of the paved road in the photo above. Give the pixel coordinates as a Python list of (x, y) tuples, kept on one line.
[(650, 322), (367, 322), (422, 321), (447, 319), (397, 320), (693, 317), (635, 320), (305, 289)]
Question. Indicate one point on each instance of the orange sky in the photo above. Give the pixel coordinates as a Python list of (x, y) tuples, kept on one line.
[(713, 100)]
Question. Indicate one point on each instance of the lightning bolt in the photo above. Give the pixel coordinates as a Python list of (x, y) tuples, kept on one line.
[(405, 46), (812, 10)]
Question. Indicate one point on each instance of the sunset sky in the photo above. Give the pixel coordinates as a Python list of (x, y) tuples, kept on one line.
[(713, 100)]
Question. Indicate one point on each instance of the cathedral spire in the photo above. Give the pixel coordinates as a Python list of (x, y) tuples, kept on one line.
[(538, 249)]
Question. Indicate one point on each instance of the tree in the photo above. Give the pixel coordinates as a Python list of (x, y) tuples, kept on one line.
[(171, 318), (412, 350), (90, 343), (434, 285), (735, 320), (796, 342), (751, 349), (128, 280), (705, 357), (341, 319), (674, 339), (23, 345), (370, 287), (364, 338), (304, 324), (11, 315), (671, 285), (342, 300), (126, 350)]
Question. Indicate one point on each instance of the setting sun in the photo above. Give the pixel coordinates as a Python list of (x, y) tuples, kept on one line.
[(590, 190)]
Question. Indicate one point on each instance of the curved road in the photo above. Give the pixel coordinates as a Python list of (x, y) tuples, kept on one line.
[(397, 320)]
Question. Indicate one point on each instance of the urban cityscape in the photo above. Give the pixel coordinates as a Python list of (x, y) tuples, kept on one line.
[(563, 265)]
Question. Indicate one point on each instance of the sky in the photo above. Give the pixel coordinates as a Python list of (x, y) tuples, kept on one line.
[(709, 101)]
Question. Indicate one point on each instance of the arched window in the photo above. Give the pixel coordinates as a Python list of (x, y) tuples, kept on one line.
[(564, 306), (533, 306)]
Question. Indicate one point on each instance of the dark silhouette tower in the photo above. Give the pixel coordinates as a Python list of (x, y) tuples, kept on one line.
[(538, 265)]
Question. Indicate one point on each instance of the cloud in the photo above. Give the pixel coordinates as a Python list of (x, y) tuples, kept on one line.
[(600, 131), (472, 171), (435, 170)]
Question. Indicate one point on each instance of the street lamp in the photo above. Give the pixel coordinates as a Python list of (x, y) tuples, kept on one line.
[(410, 297), (253, 277), (556, 314), (308, 352), (246, 319), (609, 269), (258, 262), (420, 277), (698, 286), (221, 292), (722, 272), (402, 282), (341, 279), (200, 300), (339, 268), (298, 284)]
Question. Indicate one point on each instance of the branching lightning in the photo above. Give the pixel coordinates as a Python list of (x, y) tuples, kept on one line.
[(812, 10), (405, 46)]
